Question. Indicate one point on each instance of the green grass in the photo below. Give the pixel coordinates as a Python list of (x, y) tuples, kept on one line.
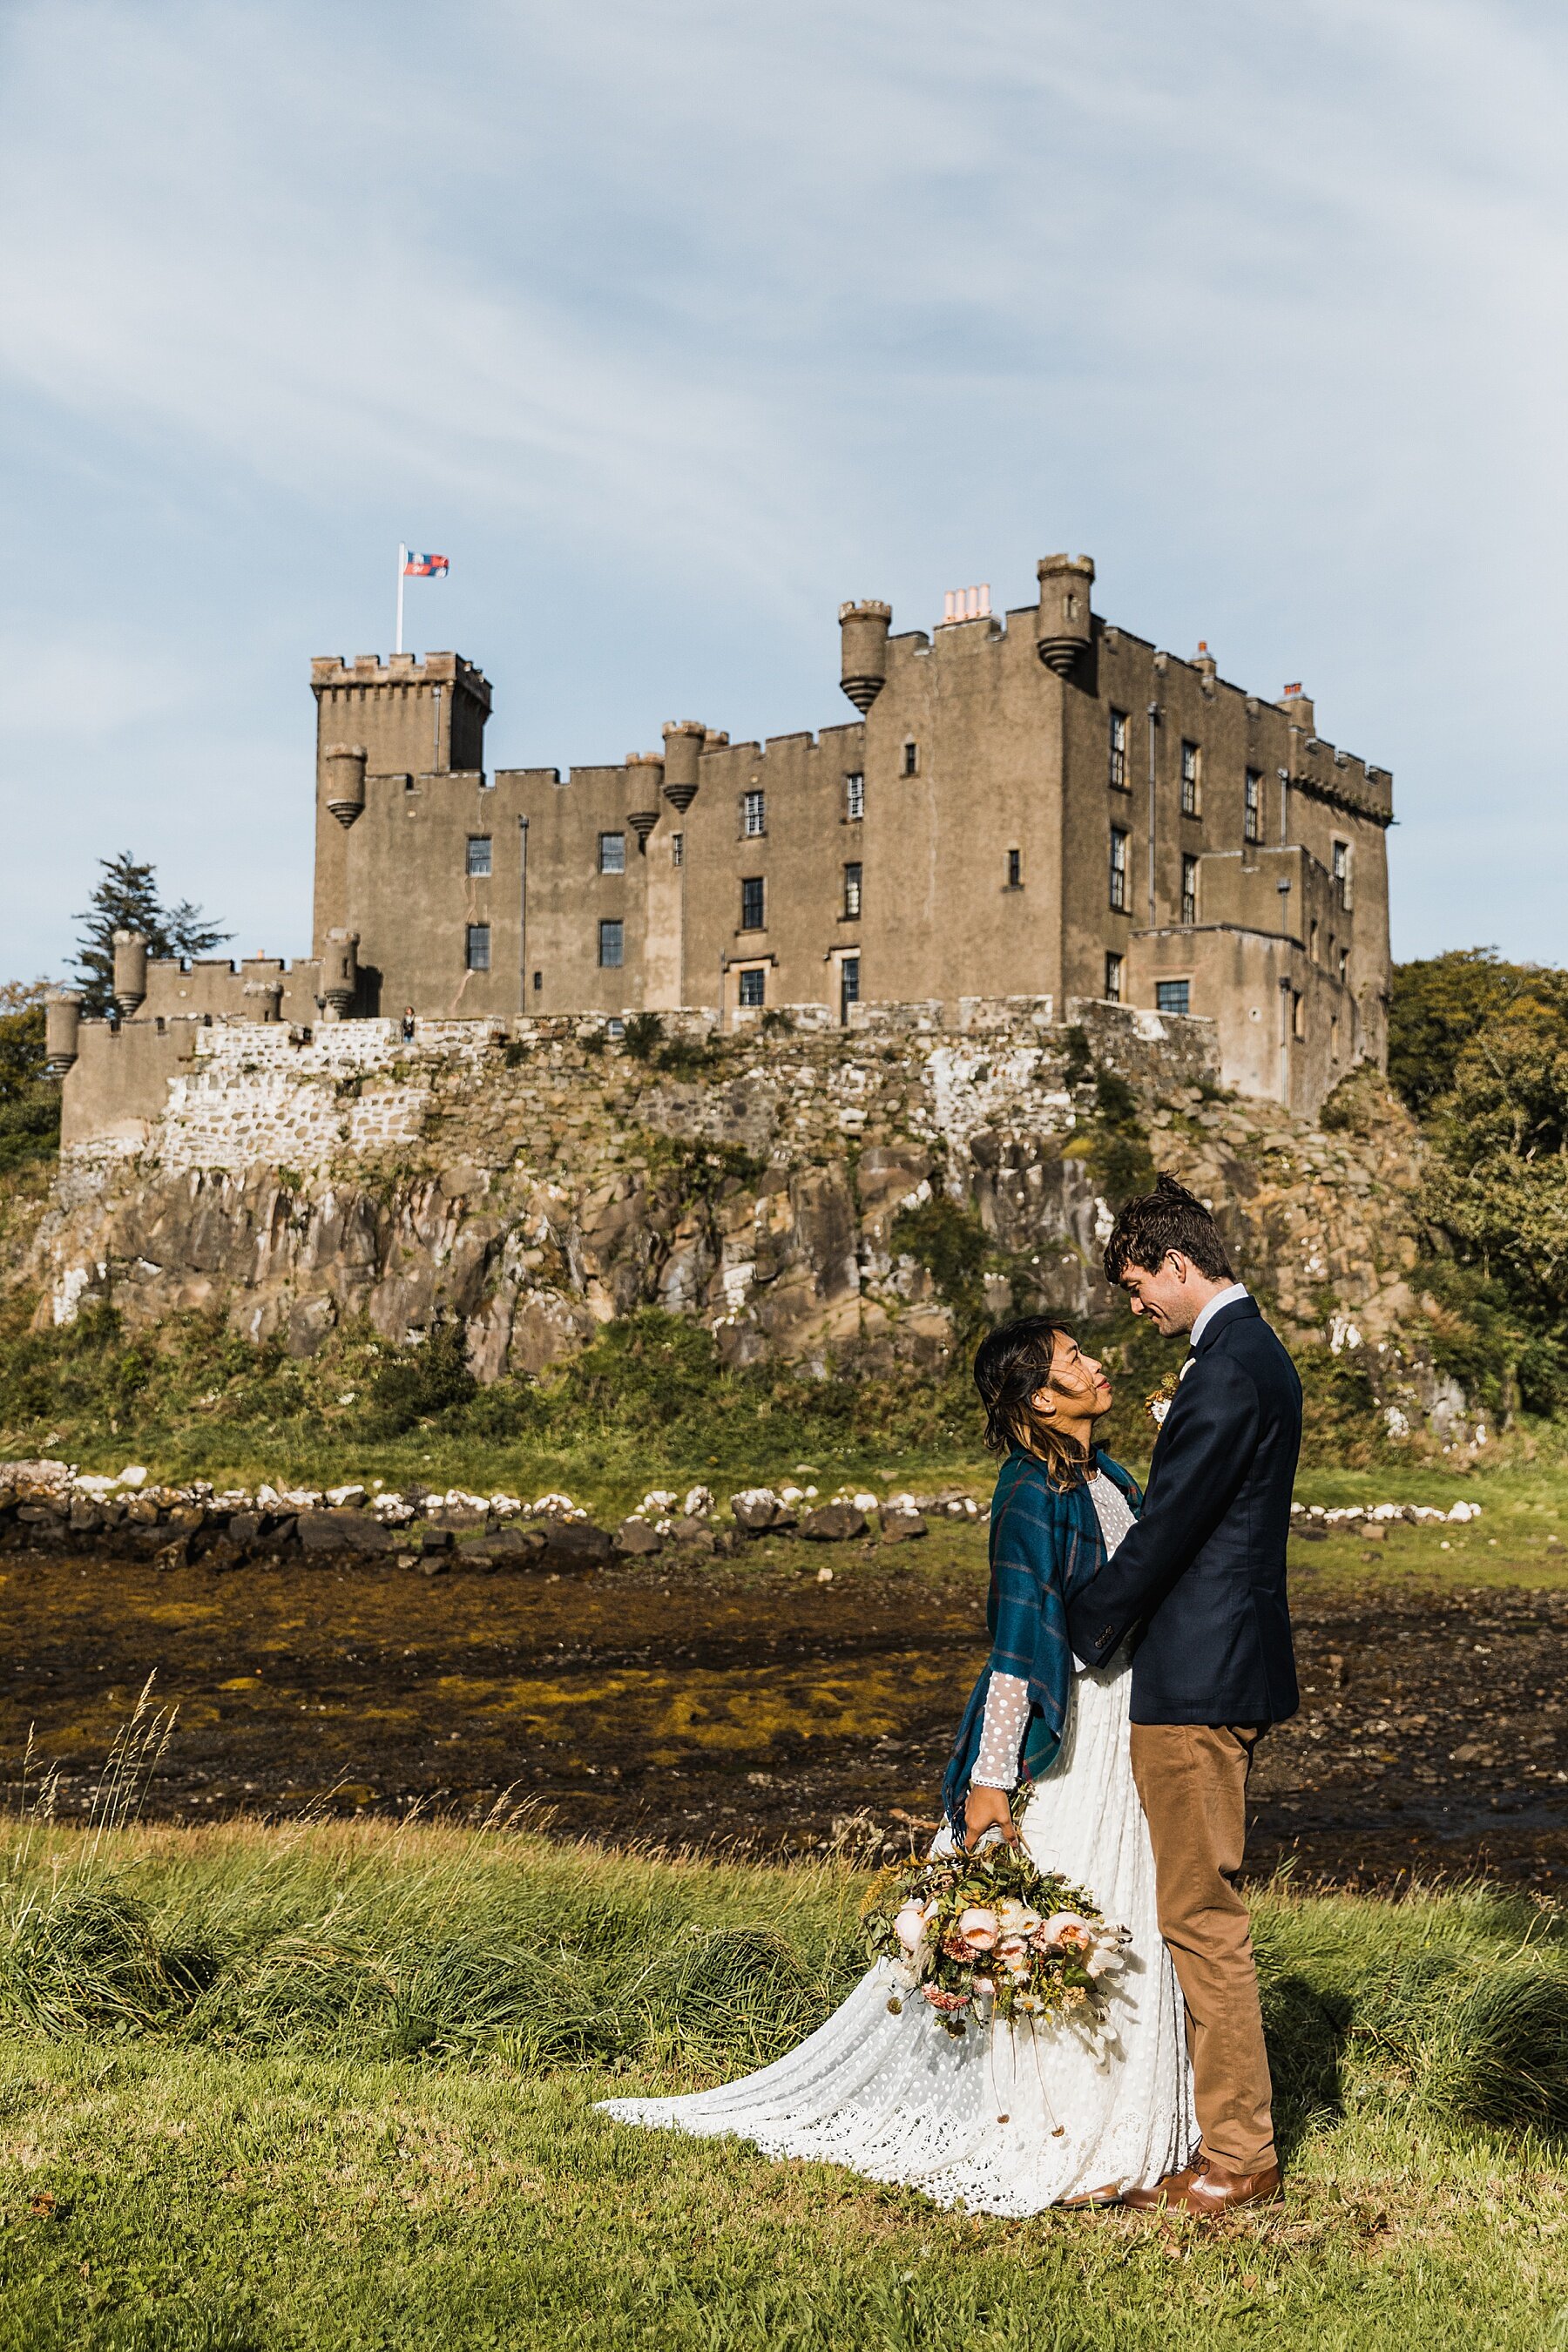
[(333, 2087), (648, 1404)]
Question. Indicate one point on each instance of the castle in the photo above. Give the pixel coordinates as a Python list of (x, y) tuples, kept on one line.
[(1031, 812)]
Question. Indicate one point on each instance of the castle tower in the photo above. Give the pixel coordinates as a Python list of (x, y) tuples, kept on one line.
[(1066, 623), (863, 650), (381, 727)]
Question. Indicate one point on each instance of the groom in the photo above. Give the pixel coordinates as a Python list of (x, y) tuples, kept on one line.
[(1200, 1580)]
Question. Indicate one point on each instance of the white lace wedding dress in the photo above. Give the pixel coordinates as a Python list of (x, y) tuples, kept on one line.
[(1003, 2120)]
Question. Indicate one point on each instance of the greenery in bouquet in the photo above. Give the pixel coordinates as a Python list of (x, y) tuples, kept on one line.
[(987, 1934)]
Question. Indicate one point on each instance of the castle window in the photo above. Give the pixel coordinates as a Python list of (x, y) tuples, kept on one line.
[(1252, 806), (1297, 1014), (1344, 967), (848, 985), (1189, 889), (1173, 995), (754, 987), (912, 760), (1334, 1036), (1313, 942), (1342, 871), (1113, 977), (854, 799), (752, 916), (753, 815), (612, 853), (612, 946), (678, 849), (1190, 802), (1118, 777), (478, 856), (538, 979), (479, 946), (1118, 870), (1014, 869), (852, 890)]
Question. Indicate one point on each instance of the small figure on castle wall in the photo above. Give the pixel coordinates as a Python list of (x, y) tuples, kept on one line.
[(409, 1024)]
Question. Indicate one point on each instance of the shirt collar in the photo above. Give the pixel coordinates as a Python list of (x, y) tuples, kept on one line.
[(1206, 1314)]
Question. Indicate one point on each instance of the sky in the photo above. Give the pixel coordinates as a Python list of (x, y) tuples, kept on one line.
[(675, 326)]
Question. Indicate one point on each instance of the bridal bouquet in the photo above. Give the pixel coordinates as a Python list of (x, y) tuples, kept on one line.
[(986, 1933)]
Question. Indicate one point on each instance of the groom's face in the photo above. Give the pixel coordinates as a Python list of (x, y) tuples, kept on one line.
[(1161, 1293)]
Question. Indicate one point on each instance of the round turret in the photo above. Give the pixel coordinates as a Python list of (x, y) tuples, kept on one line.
[(340, 973), (1063, 630), (62, 1019), (683, 741), (644, 774), (342, 770), (129, 971), (863, 650)]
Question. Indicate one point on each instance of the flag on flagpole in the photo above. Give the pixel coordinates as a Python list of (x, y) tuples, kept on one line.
[(425, 567)]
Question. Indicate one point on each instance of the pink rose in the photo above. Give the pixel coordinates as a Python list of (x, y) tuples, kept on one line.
[(950, 2002), (1066, 1931), (977, 1926), (910, 1925)]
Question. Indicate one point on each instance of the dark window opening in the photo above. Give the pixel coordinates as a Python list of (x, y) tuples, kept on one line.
[(1118, 870), (753, 988), (1252, 806), (612, 946), (852, 890), (1191, 804), (1171, 996), (752, 905), (1119, 778), (848, 985), (1189, 889), (479, 855), (479, 946), (1113, 977), (1014, 869), (912, 759)]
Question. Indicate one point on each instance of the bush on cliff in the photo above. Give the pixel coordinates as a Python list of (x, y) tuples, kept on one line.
[(29, 1103)]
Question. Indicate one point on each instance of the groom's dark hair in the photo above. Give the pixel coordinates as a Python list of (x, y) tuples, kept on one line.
[(1168, 1218)]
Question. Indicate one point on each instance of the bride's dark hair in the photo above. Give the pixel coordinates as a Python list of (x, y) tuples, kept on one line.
[(1012, 1362)]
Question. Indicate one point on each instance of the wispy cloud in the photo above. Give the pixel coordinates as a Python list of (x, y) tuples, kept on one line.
[(675, 325)]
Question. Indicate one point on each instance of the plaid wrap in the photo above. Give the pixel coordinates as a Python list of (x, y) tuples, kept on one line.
[(1045, 1546)]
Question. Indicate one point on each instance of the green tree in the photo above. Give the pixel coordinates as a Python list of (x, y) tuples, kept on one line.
[(1499, 1185), (127, 899), (1437, 1005), (30, 1105)]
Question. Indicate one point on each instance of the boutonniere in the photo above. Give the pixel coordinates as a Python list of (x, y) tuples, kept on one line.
[(1160, 1401)]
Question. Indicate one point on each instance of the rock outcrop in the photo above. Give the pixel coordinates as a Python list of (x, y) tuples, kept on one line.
[(536, 1189)]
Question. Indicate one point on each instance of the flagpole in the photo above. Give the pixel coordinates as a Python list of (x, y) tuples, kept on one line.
[(401, 559)]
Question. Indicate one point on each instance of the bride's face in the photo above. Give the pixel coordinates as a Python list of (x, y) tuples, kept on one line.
[(1078, 1391)]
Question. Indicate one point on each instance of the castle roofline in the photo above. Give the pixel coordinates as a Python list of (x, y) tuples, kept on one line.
[(330, 670)]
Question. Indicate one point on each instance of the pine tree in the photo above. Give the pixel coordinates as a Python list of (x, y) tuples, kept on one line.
[(127, 900)]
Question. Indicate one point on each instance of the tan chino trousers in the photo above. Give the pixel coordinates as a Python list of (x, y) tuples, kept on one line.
[(1192, 1778)]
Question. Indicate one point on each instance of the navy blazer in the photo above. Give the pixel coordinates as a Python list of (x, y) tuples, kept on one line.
[(1202, 1576)]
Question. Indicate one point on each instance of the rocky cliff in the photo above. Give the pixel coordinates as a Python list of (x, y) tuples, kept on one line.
[(792, 1192)]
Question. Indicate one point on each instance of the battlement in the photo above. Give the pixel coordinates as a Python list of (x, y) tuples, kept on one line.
[(330, 673)]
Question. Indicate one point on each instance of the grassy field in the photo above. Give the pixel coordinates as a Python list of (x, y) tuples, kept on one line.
[(333, 2087)]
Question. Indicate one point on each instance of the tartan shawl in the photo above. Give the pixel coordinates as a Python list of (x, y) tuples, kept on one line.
[(1046, 1545)]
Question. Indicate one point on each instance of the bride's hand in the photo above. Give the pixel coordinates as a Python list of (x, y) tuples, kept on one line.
[(988, 1809)]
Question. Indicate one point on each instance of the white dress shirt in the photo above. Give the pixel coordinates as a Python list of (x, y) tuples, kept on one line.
[(1206, 1314)]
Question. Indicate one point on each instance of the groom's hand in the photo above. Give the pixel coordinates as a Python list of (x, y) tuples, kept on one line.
[(988, 1809)]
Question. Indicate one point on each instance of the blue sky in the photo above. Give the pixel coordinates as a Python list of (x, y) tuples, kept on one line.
[(675, 326)]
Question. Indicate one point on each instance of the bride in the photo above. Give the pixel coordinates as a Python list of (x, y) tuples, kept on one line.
[(1009, 2120)]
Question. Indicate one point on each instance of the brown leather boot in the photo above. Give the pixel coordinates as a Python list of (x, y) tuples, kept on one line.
[(1206, 2187)]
